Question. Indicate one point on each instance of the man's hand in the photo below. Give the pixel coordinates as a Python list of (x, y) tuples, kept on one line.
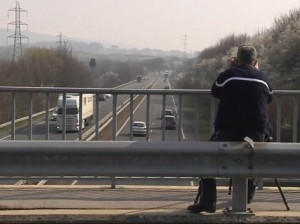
[(232, 62), (256, 64)]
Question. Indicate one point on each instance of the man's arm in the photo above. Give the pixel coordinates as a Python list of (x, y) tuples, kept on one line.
[(215, 90)]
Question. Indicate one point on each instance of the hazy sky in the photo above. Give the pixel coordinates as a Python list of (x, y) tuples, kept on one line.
[(159, 24)]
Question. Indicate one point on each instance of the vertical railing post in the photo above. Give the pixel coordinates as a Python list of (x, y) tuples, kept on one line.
[(13, 116), (180, 118), (114, 121), (295, 119), (64, 110), (197, 118), (163, 120), (80, 117), (30, 116), (148, 117), (278, 121), (97, 117), (47, 115), (131, 116)]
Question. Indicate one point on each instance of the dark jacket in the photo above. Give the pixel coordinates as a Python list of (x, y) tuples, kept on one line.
[(244, 94)]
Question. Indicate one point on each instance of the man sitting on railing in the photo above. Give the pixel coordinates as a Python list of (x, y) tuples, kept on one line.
[(244, 93)]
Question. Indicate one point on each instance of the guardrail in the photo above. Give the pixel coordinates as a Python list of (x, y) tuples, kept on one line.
[(42, 114), (186, 159), (283, 123)]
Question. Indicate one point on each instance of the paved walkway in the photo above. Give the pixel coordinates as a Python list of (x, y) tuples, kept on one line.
[(80, 204)]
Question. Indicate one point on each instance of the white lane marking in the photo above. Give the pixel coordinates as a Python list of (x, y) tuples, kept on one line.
[(125, 123), (8, 136)]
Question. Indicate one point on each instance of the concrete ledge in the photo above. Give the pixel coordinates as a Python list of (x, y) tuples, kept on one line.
[(41, 205), (155, 216)]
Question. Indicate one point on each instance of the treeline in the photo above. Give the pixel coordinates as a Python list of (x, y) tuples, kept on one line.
[(278, 51), (39, 67), (42, 67)]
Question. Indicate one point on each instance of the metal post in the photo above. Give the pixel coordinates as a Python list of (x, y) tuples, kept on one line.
[(64, 118), (180, 118), (295, 119), (131, 116), (239, 195), (114, 122), (97, 118), (47, 115), (278, 127), (30, 117), (148, 117), (13, 116), (80, 117), (163, 118)]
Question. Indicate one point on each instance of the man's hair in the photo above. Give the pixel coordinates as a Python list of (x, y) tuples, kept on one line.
[(246, 54)]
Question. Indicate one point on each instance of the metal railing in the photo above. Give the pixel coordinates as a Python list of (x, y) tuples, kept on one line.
[(186, 159), (179, 158), (286, 111)]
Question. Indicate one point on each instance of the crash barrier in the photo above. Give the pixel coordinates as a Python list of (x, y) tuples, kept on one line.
[(237, 160)]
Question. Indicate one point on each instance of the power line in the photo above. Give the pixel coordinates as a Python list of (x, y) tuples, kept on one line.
[(17, 36)]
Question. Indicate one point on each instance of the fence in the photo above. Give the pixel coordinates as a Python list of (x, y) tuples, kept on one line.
[(186, 159), (179, 158), (284, 109)]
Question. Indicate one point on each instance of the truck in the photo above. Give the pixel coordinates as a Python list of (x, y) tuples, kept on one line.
[(166, 75), (73, 111)]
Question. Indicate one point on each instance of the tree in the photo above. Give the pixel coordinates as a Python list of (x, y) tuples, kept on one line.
[(39, 67), (110, 79), (93, 63)]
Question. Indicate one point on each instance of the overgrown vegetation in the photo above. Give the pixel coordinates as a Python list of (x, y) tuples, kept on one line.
[(278, 53)]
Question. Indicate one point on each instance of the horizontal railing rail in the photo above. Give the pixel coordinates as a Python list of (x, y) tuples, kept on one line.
[(125, 158), (286, 115), (187, 159)]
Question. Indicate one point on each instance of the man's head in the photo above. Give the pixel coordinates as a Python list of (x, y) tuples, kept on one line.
[(246, 55)]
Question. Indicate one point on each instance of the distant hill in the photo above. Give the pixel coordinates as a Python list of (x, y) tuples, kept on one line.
[(79, 47)]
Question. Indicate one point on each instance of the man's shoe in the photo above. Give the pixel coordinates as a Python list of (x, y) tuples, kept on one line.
[(197, 208)]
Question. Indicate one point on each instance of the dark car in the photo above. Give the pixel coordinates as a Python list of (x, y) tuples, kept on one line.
[(102, 97), (170, 122), (168, 112)]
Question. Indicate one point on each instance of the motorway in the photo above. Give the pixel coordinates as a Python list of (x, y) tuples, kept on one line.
[(123, 134), (39, 129), (134, 200), (105, 107)]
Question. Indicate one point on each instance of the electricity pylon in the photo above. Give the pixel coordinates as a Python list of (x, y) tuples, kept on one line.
[(17, 36), (185, 44)]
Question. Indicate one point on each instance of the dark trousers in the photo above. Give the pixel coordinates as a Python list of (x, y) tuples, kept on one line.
[(208, 186)]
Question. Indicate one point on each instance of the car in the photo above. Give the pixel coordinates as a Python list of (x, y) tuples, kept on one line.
[(54, 115), (108, 96), (139, 128), (167, 112), (170, 122), (102, 97)]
